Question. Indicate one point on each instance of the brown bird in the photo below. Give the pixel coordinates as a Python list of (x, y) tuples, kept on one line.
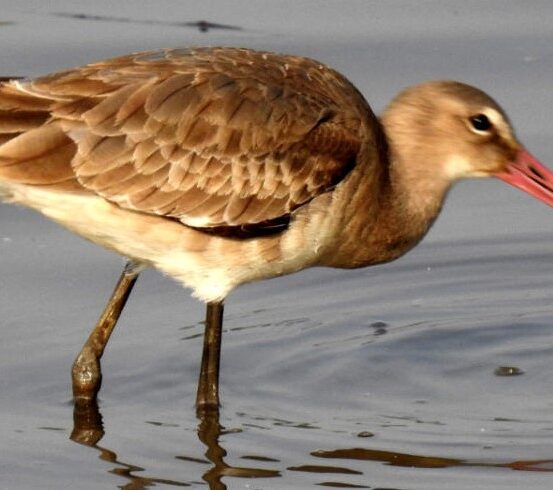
[(221, 166)]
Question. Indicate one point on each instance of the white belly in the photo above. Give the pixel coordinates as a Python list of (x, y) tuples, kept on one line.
[(211, 266)]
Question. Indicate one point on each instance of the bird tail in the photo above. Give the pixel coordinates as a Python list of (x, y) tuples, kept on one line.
[(34, 150)]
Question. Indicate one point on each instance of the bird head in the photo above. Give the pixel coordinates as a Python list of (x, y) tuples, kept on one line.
[(445, 131)]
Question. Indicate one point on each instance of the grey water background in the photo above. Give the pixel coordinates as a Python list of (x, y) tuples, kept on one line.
[(382, 378)]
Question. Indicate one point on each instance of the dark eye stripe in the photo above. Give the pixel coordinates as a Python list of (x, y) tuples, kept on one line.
[(480, 122)]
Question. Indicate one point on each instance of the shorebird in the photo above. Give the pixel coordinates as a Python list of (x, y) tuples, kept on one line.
[(221, 166)]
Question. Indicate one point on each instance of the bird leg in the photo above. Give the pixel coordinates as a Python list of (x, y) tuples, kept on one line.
[(86, 371), (207, 397)]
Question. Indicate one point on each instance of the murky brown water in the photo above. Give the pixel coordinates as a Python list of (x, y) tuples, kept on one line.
[(429, 373)]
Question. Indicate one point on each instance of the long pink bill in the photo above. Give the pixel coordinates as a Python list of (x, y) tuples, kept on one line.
[(531, 176)]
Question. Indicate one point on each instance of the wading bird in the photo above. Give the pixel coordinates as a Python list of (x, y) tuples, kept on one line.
[(221, 166)]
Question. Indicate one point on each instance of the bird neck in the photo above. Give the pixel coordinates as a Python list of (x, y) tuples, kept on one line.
[(411, 200), (419, 178), (416, 192), (390, 203)]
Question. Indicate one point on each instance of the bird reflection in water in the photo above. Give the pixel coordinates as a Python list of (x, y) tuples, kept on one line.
[(416, 461), (88, 429)]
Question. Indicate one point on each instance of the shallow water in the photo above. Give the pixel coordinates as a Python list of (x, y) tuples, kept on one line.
[(428, 373)]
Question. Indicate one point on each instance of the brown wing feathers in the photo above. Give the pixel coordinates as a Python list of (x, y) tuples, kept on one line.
[(213, 137), (32, 152)]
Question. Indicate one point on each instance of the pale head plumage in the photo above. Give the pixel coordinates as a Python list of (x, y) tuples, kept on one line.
[(429, 127)]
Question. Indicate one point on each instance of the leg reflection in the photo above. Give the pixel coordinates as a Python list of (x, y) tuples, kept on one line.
[(209, 431), (88, 429), (88, 426)]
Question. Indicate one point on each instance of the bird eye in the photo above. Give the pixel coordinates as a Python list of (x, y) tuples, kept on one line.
[(480, 122)]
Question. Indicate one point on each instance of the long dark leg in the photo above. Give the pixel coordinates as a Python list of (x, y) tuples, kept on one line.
[(86, 372), (208, 386)]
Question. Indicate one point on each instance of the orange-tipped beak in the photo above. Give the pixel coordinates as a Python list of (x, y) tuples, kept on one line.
[(531, 176)]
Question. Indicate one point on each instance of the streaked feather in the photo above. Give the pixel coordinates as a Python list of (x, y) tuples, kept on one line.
[(221, 136)]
